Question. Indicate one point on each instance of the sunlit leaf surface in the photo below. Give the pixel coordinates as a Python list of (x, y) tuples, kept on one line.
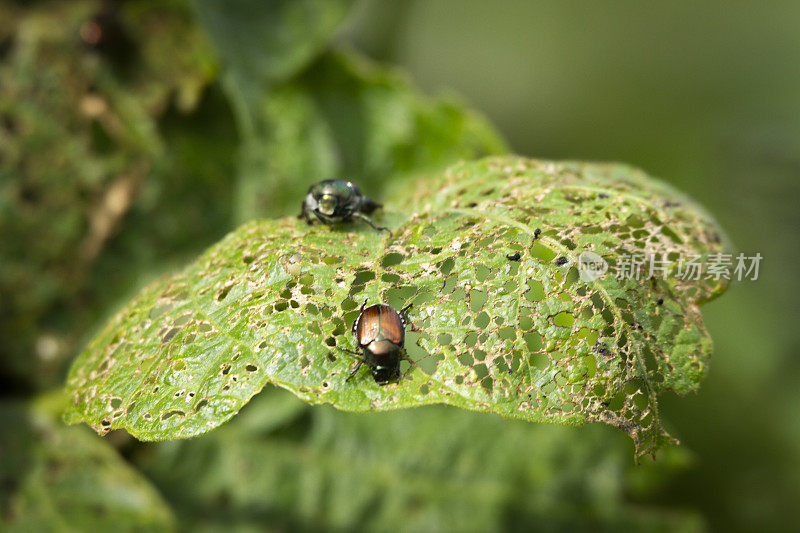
[(526, 339)]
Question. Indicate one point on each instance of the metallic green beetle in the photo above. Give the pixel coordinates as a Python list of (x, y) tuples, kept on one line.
[(333, 201)]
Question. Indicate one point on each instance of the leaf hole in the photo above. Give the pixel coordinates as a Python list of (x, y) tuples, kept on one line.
[(169, 335), (507, 333), (470, 339), (222, 294), (390, 278), (392, 259), (564, 319), (477, 299), (482, 272), (535, 290), (172, 413), (482, 320), (444, 339), (447, 266)]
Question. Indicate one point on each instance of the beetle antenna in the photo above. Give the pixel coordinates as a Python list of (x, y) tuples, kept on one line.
[(351, 352)]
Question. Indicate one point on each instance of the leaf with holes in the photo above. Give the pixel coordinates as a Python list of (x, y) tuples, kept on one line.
[(528, 337)]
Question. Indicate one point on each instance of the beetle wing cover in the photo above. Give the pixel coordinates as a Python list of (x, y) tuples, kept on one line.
[(391, 325), (369, 325)]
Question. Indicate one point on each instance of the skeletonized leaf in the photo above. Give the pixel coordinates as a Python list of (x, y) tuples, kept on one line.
[(528, 339)]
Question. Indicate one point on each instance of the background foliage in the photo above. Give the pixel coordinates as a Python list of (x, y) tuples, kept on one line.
[(121, 158)]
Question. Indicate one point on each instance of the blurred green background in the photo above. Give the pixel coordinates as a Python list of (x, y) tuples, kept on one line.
[(125, 152)]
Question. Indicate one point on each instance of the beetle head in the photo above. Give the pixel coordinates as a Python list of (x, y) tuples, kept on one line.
[(385, 374), (327, 204)]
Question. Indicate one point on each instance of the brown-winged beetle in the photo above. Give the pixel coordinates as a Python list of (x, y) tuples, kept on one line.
[(380, 332)]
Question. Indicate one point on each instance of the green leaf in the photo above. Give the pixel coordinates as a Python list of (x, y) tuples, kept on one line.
[(307, 113), (525, 339), (56, 478), (285, 465), (262, 43), (347, 117)]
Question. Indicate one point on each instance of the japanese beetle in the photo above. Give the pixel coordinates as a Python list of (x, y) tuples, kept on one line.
[(380, 332), (333, 201)]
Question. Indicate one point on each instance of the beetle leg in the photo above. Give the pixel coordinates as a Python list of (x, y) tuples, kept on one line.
[(321, 218), (353, 372), (369, 221), (304, 214), (404, 315)]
